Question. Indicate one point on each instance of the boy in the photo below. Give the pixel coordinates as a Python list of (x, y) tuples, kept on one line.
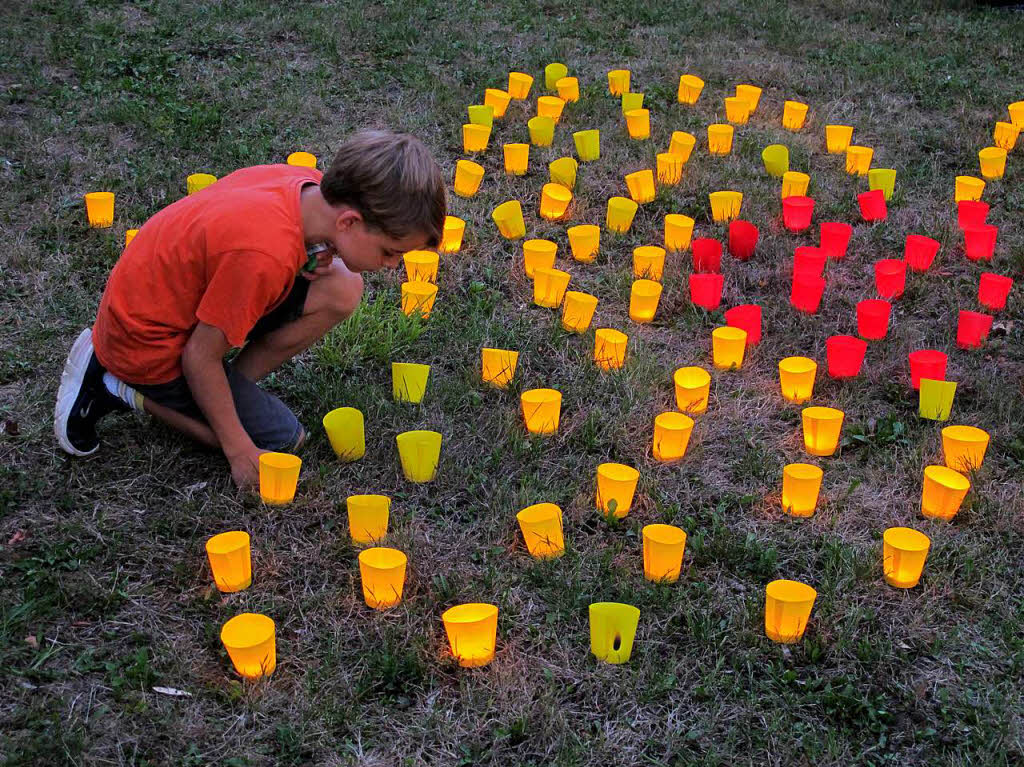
[(247, 262)]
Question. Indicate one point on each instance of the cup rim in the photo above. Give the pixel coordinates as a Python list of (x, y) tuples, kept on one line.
[(231, 540), (909, 539), (387, 558), (669, 535), (469, 612), (250, 623)]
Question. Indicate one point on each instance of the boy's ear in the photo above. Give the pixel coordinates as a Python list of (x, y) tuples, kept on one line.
[(346, 219)]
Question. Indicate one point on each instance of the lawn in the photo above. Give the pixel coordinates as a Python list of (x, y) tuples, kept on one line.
[(105, 592)]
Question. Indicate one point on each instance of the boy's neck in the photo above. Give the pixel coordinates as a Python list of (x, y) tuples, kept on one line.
[(317, 215)]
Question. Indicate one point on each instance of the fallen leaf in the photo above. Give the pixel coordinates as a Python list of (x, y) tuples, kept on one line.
[(32, 642), (18, 537), (172, 692)]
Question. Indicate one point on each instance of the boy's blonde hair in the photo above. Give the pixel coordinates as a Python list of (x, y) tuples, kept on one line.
[(392, 180)]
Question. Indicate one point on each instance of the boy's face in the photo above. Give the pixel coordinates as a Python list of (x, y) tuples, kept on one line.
[(364, 249)]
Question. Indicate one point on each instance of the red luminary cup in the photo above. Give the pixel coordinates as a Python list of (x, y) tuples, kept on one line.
[(971, 213), (707, 255), (796, 212), (746, 317), (980, 241), (919, 252), (992, 291), (706, 290), (806, 293), (972, 328), (742, 239), (890, 277), (927, 363), (835, 237), (808, 259), (872, 205), (845, 355), (873, 319)]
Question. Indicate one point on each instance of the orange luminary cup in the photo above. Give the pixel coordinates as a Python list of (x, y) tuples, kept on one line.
[(368, 517), (554, 201), (689, 90), (943, 492), (578, 311), (538, 254), (279, 476), (796, 378), (672, 432), (517, 158), (641, 186), (643, 300), (678, 232), (610, 348), (751, 93), (99, 209), (541, 524), (787, 610), (648, 262), (664, 546), (682, 145), (858, 160), (498, 366), (720, 138), (692, 388), (822, 426), (550, 106), (584, 242), (498, 100), (249, 639), (472, 633), (904, 552), (519, 84), (670, 168), (230, 561), (794, 114), (549, 287), (728, 345), (963, 447), (454, 231), (541, 410), (418, 297), (801, 483), (383, 575), (616, 485), (468, 176)]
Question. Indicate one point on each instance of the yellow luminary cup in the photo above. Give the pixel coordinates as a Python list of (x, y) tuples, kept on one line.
[(302, 159), (678, 232), (858, 160), (618, 82), (993, 162), (751, 93), (672, 432), (578, 311), (346, 432), (538, 254), (497, 100), (794, 113), (519, 84), (475, 137), (648, 262), (963, 447), (418, 298), (904, 552), (249, 639), (884, 179), (641, 186), (454, 230), (409, 381), (382, 571), (588, 144), (728, 345), (670, 168), (553, 73), (509, 219), (725, 205), (368, 517), (549, 287), (230, 561), (682, 145), (631, 101), (801, 483), (550, 106), (737, 110), (1005, 135), (796, 378), (643, 300), (554, 201), (794, 184), (421, 265), (720, 138), (541, 525), (584, 242), (279, 476), (468, 176), (498, 366), (787, 610), (196, 182), (472, 631), (481, 114), (621, 211), (612, 631), (99, 209), (664, 546), (968, 188), (610, 348), (692, 388), (568, 89), (563, 171), (822, 426), (943, 492), (542, 130), (837, 138), (776, 160), (517, 158), (638, 124), (616, 485), (1016, 111), (541, 410), (689, 90), (935, 400), (419, 453)]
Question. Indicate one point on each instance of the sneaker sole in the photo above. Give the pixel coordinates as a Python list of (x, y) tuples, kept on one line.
[(70, 385)]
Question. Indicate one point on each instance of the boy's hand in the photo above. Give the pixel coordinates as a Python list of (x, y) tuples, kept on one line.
[(245, 467), (318, 265)]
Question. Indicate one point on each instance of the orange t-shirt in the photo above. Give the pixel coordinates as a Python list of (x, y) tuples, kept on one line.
[(226, 256)]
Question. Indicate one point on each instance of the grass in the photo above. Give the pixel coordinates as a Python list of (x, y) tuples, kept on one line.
[(104, 592)]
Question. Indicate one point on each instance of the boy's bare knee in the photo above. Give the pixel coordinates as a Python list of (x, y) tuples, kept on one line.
[(337, 294)]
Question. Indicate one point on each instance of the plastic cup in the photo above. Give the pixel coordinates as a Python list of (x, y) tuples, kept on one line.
[(588, 144), (578, 311), (822, 426), (837, 138), (992, 160), (882, 179), (541, 525), (279, 476), (806, 292), (872, 205), (993, 290), (775, 158), (498, 100), (616, 485), (609, 348), (797, 212), (368, 517), (129, 235), (890, 277), (671, 436), (619, 217), (454, 231), (690, 87), (230, 561), (618, 81), (612, 631), (498, 366), (787, 610), (568, 89), (845, 355), (682, 144), (519, 84), (517, 158), (919, 252), (971, 213), (249, 639), (481, 114), (538, 254), (302, 159), (834, 239), (475, 137), (720, 138), (638, 124), (801, 484), (554, 201), (796, 378), (794, 114), (196, 182), (554, 72), (746, 317), (664, 546), (936, 399), (418, 297), (643, 300), (743, 237), (968, 188), (509, 219), (670, 168), (725, 205), (972, 328), (641, 186), (926, 363), (904, 552), (541, 409), (472, 631), (584, 242), (346, 431), (99, 208), (795, 184), (943, 492), (706, 290), (383, 576), (678, 232), (631, 101), (963, 447), (419, 452), (550, 106), (727, 347), (751, 93), (563, 171), (809, 260), (858, 160), (1016, 110), (468, 176), (648, 262), (737, 110), (409, 381), (1005, 135), (980, 242), (421, 265), (542, 130), (549, 287), (873, 319), (692, 388)]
